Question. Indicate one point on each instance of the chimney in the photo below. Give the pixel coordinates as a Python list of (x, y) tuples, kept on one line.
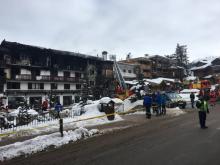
[(104, 55)]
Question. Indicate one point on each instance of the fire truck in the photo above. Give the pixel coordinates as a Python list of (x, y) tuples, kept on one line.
[(203, 84)]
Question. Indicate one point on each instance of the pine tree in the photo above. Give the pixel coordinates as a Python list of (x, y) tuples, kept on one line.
[(181, 56)]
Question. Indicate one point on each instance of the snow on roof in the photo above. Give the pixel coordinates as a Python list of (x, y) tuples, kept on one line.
[(209, 76), (205, 59), (159, 80), (189, 90), (146, 83), (134, 82), (191, 78), (180, 67), (207, 62), (105, 100), (17, 111), (117, 100)]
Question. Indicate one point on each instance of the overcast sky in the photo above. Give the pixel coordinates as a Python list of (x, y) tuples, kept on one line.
[(117, 26)]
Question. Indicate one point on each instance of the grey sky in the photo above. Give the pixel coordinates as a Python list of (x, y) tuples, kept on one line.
[(118, 26)]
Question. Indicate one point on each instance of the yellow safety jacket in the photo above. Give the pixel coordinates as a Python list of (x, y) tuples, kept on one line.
[(204, 106)]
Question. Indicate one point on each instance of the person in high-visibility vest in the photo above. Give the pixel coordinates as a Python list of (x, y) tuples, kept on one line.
[(202, 105)]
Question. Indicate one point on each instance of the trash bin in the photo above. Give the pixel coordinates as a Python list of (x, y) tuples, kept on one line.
[(108, 108)]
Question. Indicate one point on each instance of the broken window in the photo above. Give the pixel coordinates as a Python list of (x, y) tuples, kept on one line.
[(13, 85), (66, 86)]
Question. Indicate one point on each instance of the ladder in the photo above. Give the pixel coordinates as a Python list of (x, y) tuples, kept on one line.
[(119, 77)]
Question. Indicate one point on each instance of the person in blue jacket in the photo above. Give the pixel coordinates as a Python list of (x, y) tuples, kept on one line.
[(58, 107), (147, 103), (163, 102), (159, 103)]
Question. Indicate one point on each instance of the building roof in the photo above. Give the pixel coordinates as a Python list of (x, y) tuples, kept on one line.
[(206, 62), (11, 45), (159, 80)]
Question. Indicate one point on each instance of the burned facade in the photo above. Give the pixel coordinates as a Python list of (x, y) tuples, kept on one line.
[(33, 73)]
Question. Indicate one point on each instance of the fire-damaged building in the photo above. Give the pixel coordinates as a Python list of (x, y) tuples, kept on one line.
[(32, 74)]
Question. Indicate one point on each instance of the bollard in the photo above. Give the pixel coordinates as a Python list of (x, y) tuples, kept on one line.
[(61, 127)]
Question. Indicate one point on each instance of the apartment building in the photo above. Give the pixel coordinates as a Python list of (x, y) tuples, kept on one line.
[(144, 66), (129, 71), (165, 67), (32, 74)]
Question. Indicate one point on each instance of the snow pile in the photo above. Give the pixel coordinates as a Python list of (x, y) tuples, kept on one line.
[(41, 143), (175, 111), (105, 100), (84, 116), (117, 101), (128, 105), (15, 113)]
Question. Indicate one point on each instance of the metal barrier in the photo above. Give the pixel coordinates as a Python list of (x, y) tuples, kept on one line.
[(25, 121)]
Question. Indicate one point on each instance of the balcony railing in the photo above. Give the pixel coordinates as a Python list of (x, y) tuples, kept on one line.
[(40, 91), (23, 77), (26, 77), (58, 78)]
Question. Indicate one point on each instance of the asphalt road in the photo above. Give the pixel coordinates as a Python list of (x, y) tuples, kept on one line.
[(161, 141)]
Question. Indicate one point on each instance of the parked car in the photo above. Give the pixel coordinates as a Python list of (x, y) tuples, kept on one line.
[(185, 94), (174, 100)]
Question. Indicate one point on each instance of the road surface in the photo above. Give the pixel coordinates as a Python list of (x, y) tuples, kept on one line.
[(161, 141)]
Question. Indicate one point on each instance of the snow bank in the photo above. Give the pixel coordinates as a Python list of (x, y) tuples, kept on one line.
[(91, 116), (29, 111), (128, 105), (175, 111), (40, 143)]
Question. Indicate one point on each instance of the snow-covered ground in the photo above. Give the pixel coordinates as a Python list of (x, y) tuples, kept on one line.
[(91, 116), (170, 111), (40, 143), (76, 126)]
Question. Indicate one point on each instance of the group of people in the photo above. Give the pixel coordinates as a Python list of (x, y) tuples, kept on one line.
[(156, 102), (58, 107), (211, 97)]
